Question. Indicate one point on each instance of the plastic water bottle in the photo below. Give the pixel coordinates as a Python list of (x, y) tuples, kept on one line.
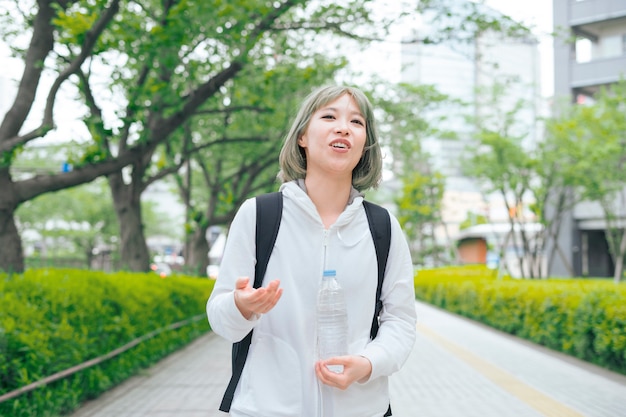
[(332, 320)]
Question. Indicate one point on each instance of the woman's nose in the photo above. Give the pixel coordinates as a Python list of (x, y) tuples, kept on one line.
[(342, 127)]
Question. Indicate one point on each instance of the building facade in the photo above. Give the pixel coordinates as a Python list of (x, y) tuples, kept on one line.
[(596, 58), (464, 71)]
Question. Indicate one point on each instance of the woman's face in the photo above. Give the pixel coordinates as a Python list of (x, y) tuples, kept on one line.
[(335, 138)]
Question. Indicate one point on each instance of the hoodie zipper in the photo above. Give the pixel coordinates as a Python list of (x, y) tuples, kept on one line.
[(324, 266), (320, 387)]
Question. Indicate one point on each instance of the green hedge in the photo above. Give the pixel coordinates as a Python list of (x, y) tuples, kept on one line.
[(581, 317), (51, 320)]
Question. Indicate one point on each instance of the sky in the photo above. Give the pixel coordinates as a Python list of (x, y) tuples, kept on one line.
[(383, 59), (537, 14)]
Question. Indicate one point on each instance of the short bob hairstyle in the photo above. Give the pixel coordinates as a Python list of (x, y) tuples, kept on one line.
[(368, 171)]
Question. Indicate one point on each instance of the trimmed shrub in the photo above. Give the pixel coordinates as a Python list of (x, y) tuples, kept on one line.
[(583, 318), (51, 320)]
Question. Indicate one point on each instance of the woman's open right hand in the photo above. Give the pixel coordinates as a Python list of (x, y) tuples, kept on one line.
[(252, 301)]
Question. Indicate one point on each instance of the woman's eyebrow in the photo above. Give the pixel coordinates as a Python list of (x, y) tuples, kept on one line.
[(356, 112)]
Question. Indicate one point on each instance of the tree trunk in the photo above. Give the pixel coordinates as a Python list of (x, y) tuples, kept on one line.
[(11, 253), (89, 256), (134, 254), (197, 258), (619, 259)]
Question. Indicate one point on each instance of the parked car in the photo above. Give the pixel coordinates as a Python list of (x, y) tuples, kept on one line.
[(212, 271), (161, 268)]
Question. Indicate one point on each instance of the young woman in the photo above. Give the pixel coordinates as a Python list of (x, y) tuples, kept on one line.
[(329, 157)]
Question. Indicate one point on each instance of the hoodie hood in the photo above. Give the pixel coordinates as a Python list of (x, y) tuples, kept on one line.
[(350, 236), (296, 191)]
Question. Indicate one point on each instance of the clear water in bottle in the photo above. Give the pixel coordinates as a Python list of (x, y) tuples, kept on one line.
[(332, 320)]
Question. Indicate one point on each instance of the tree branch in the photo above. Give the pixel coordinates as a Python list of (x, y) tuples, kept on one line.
[(234, 109), (86, 50), (33, 187), (32, 72), (95, 110), (40, 46), (197, 97), (131, 109), (320, 26)]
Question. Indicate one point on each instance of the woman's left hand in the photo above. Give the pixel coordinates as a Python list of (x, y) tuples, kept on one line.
[(355, 368)]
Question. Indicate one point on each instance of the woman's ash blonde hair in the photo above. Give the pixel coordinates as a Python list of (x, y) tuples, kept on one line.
[(292, 159)]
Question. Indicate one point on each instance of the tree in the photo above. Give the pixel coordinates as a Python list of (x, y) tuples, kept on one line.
[(243, 160), (457, 24), (141, 70), (549, 178), (69, 221), (156, 64), (599, 131), (174, 77), (607, 184), (504, 165), (419, 213), (472, 220), (461, 21), (410, 114), (80, 222), (561, 166)]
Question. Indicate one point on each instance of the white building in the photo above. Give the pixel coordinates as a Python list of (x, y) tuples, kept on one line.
[(459, 70)]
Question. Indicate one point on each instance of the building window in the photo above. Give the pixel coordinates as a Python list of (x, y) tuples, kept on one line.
[(611, 46), (583, 50)]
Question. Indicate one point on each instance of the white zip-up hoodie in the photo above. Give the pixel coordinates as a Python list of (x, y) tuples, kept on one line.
[(279, 379)]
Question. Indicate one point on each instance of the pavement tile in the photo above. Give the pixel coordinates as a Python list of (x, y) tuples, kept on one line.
[(457, 368)]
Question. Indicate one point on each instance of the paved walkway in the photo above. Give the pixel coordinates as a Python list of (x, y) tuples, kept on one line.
[(457, 369)]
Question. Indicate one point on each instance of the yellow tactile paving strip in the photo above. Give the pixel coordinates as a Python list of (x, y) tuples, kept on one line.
[(546, 405)]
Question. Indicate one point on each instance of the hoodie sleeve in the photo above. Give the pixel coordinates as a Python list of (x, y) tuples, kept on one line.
[(238, 260), (397, 331)]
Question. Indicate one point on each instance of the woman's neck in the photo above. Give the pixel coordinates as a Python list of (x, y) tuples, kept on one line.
[(330, 197)]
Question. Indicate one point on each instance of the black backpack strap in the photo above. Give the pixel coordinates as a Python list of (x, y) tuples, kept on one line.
[(380, 227), (269, 209)]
